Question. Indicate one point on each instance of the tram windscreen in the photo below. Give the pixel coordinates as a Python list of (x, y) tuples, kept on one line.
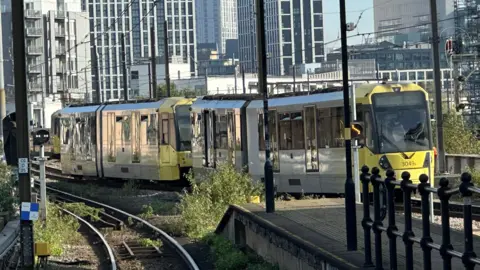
[(401, 122), (182, 115)]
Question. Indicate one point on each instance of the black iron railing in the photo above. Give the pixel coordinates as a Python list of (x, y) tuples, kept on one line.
[(444, 193)]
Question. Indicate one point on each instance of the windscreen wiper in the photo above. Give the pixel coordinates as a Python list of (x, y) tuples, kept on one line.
[(396, 146)]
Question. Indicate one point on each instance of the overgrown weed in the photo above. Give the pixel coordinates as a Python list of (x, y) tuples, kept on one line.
[(202, 209)]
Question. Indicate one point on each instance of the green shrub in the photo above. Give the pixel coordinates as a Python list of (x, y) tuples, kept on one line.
[(203, 208), (458, 136), (230, 258), (59, 229), (82, 210), (8, 200)]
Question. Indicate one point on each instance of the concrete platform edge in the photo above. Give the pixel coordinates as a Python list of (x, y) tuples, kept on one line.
[(314, 256), (8, 236)]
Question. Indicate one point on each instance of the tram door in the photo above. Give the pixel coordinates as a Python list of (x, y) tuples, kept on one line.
[(311, 146)]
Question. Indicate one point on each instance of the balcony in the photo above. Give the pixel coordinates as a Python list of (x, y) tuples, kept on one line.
[(60, 69), (34, 50), (34, 32), (60, 15), (59, 32), (33, 14), (36, 69), (35, 87), (60, 51), (59, 85)]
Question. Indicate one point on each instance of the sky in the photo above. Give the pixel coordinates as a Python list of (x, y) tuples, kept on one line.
[(331, 20)]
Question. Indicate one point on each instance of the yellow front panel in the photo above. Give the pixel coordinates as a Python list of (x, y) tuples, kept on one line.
[(414, 163)]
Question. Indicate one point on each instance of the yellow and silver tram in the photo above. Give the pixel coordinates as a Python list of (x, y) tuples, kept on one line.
[(307, 135), (144, 140)]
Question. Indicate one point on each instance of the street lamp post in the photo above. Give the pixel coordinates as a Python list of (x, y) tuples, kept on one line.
[(350, 209), (262, 86)]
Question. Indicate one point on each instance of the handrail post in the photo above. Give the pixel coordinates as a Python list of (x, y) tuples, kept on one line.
[(407, 203), (366, 222), (445, 212), (378, 221), (426, 238), (391, 219), (467, 220)]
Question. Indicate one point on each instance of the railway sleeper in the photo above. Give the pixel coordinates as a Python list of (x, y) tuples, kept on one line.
[(134, 250)]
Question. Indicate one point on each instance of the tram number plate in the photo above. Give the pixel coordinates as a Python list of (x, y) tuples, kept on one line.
[(409, 163)]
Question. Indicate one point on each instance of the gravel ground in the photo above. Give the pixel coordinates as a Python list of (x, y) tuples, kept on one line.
[(81, 256), (168, 261), (455, 223)]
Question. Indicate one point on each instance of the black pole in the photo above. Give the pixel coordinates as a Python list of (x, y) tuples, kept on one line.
[(97, 73), (243, 81), (154, 61), (21, 105), (124, 66), (166, 56), (262, 86), (350, 211), (150, 81), (294, 78)]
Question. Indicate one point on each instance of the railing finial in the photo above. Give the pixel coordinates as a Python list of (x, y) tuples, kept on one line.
[(423, 178), (405, 176)]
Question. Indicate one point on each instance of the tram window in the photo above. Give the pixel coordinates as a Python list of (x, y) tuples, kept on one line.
[(152, 130), (338, 127), (221, 132), (126, 130), (93, 129), (368, 130), (285, 130), (324, 124), (298, 139), (261, 133), (165, 127), (311, 136)]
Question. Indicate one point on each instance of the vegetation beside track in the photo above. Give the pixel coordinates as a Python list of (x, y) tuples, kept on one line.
[(203, 208), (59, 230)]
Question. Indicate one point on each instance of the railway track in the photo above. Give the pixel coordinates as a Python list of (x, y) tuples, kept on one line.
[(56, 174), (112, 263), (133, 232)]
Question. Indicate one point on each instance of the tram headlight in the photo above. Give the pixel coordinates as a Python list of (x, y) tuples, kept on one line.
[(384, 163)]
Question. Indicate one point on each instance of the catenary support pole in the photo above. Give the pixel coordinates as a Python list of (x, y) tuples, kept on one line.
[(3, 109), (350, 209), (437, 87), (243, 81), (167, 56), (154, 62), (95, 60), (262, 87), (124, 67), (43, 184), (21, 107)]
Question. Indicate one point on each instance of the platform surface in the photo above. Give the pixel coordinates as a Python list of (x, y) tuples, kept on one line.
[(322, 223)]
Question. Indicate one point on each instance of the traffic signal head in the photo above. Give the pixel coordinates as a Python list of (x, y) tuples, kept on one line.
[(356, 130)]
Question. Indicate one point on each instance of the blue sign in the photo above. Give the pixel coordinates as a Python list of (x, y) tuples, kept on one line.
[(29, 211)]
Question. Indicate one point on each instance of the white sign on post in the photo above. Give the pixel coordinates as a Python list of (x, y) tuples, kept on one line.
[(23, 165)]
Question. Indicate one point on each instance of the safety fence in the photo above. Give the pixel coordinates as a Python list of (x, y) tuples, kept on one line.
[(444, 193)]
